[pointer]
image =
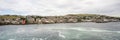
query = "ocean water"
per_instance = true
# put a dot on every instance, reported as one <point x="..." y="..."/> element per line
<point x="63" y="31"/>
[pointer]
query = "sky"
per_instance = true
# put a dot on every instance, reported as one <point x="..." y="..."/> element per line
<point x="59" y="7"/>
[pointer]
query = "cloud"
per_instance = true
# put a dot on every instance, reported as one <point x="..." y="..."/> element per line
<point x="11" y="12"/>
<point x="61" y="7"/>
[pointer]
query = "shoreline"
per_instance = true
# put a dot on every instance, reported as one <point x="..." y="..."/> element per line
<point x="70" y="18"/>
<point x="55" y="23"/>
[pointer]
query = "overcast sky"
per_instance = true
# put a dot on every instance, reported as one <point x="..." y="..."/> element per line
<point x="59" y="7"/>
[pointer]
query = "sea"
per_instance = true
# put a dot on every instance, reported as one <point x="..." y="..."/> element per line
<point x="62" y="31"/>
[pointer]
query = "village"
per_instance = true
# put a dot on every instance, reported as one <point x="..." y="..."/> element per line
<point x="21" y="20"/>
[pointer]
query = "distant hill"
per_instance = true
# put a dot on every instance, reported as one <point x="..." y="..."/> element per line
<point x="91" y="15"/>
<point x="10" y="16"/>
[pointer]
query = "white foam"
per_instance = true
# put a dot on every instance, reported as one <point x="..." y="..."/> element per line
<point x="61" y="35"/>
<point x="20" y="30"/>
<point x="11" y="39"/>
<point x="91" y="29"/>
<point x="64" y="28"/>
<point x="84" y="29"/>
<point x="81" y="29"/>
<point x="118" y="31"/>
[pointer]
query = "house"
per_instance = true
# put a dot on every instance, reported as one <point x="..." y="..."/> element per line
<point x="30" y="20"/>
<point x="38" y="20"/>
<point x="47" y="21"/>
<point x="72" y="20"/>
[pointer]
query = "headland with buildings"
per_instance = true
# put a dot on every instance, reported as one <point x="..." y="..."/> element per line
<point x="70" y="18"/>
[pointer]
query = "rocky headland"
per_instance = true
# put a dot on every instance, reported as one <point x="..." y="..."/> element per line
<point x="70" y="18"/>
